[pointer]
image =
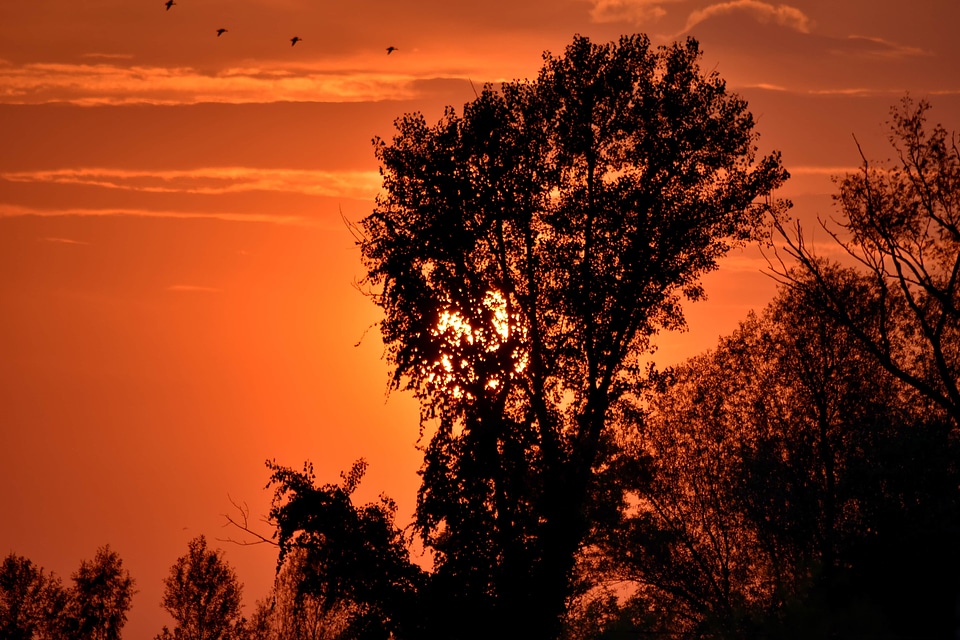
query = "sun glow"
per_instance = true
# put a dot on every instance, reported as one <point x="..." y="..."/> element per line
<point x="465" y="347"/>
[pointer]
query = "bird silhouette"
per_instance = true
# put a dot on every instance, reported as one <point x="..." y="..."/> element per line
<point x="294" y="40"/>
<point x="169" y="3"/>
<point x="391" y="50"/>
<point x="220" y="32"/>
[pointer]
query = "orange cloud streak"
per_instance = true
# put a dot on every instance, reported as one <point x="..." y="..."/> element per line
<point x="10" y="211"/>
<point x="783" y="15"/>
<point x="214" y="180"/>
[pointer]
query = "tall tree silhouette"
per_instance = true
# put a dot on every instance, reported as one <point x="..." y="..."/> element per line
<point x="525" y="254"/>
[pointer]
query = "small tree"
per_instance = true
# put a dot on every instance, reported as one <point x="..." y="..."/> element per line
<point x="100" y="598"/>
<point x="347" y="562"/>
<point x="203" y="595"/>
<point x="31" y="601"/>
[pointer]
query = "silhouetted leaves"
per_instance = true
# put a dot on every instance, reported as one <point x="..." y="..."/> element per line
<point x="798" y="490"/>
<point x="524" y="253"/>
<point x="203" y="595"/>
<point x="350" y="559"/>
<point x="100" y="598"/>
<point x="31" y="600"/>
<point x="901" y="228"/>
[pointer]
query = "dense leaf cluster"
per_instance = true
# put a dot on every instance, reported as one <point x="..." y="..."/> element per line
<point x="34" y="604"/>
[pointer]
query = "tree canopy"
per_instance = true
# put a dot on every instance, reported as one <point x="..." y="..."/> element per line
<point x="900" y="228"/>
<point x="101" y="597"/>
<point x="203" y="595"/>
<point x="525" y="253"/>
<point x="796" y="489"/>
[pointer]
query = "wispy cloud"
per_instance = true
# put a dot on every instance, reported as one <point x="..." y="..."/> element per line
<point x="634" y="11"/>
<point x="822" y="171"/>
<point x="881" y="48"/>
<point x="193" y="288"/>
<point x="855" y="92"/>
<point x="111" y="83"/>
<point x="109" y="56"/>
<point x="9" y="211"/>
<point x="213" y="180"/>
<point x="766" y="86"/>
<point x="62" y="241"/>
<point x="781" y="14"/>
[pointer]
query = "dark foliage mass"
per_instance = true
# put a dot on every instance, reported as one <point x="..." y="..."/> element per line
<point x="34" y="604"/>
<point x="525" y="253"/>
<point x="797" y="490"/>
<point x="801" y="480"/>
<point x="350" y="561"/>
<point x="101" y="596"/>
<point x="203" y="596"/>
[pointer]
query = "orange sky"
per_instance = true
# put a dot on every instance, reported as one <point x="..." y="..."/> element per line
<point x="176" y="300"/>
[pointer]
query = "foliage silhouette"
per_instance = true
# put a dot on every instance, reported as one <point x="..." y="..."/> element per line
<point x="292" y="612"/>
<point x="31" y="601"/>
<point x="349" y="561"/>
<point x="203" y="595"/>
<point x="798" y="490"/>
<point x="525" y="253"/>
<point x="901" y="227"/>
<point x="100" y="598"/>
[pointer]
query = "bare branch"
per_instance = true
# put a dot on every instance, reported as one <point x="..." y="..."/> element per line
<point x="243" y="524"/>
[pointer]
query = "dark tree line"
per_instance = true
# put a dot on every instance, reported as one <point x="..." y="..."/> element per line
<point x="799" y="481"/>
<point x="202" y="594"/>
<point x="525" y="253"/>
<point x="35" y="604"/>
<point x="796" y="489"/>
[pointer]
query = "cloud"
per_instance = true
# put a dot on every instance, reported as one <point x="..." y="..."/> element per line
<point x="634" y="11"/>
<point x="766" y="86"/>
<point x="881" y="48"/>
<point x="213" y="180"/>
<point x="822" y="171"/>
<point x="783" y="15"/>
<point x="114" y="84"/>
<point x="109" y="56"/>
<point x="10" y="211"/>
<point x="62" y="241"/>
<point x="193" y="288"/>
<point x="855" y="92"/>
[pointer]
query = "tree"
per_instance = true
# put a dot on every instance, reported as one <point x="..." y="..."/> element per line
<point x="797" y="490"/>
<point x="294" y="612"/>
<point x="203" y="595"/>
<point x="349" y="563"/>
<point x="901" y="227"/>
<point x="525" y="254"/>
<point x="31" y="601"/>
<point x="100" y="598"/>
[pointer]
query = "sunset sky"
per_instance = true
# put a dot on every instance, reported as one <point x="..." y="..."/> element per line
<point x="177" y="299"/>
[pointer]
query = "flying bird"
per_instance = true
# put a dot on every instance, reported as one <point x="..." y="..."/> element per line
<point x="294" y="40"/>
<point x="391" y="50"/>
<point x="220" y="32"/>
<point x="169" y="3"/>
